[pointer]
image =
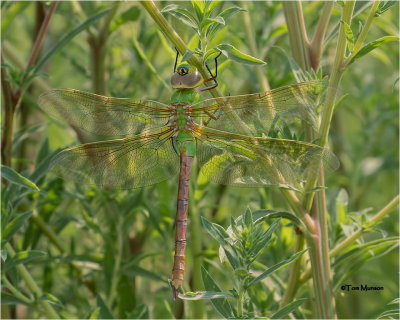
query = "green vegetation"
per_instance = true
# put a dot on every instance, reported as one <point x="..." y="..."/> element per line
<point x="76" y="251"/>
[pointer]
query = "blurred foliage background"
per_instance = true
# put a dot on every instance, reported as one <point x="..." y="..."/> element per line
<point x="80" y="234"/>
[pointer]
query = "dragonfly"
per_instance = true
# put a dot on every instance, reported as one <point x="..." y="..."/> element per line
<point x="146" y="142"/>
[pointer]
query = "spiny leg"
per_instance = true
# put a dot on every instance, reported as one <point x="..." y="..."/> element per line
<point x="213" y="77"/>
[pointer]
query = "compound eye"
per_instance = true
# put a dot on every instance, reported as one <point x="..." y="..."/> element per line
<point x="183" y="70"/>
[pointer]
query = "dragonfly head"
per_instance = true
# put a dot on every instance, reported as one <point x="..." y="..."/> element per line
<point x="186" y="77"/>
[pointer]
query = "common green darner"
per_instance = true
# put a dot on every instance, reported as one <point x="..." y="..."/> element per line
<point x="153" y="141"/>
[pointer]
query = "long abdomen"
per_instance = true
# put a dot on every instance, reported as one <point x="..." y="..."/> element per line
<point x="178" y="269"/>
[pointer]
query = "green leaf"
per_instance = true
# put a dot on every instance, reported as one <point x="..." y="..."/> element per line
<point x="23" y="257"/>
<point x="105" y="312"/>
<point x="132" y="14"/>
<point x="14" y="177"/>
<point x="15" y="225"/>
<point x="349" y="35"/>
<point x="10" y="299"/>
<point x="207" y="22"/>
<point x="277" y="267"/>
<point x="235" y="55"/>
<point x="3" y="254"/>
<point x="282" y="313"/>
<point x="226" y="14"/>
<point x="51" y="299"/>
<point x="43" y="166"/>
<point x="216" y="231"/>
<point x="95" y="313"/>
<point x="371" y="46"/>
<point x="198" y="7"/>
<point x="188" y="54"/>
<point x="138" y="271"/>
<point x="64" y="41"/>
<point x="266" y="237"/>
<point x="222" y="305"/>
<point x="181" y="14"/>
<point x="139" y="312"/>
<point x="248" y="219"/>
<point x="205" y="295"/>
<point x="383" y="6"/>
<point x="210" y="5"/>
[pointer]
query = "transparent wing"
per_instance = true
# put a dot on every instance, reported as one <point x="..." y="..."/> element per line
<point x="262" y="111"/>
<point x="241" y="160"/>
<point x="104" y="116"/>
<point x="124" y="163"/>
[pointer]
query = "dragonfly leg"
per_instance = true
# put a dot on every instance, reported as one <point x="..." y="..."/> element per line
<point x="212" y="115"/>
<point x="176" y="59"/>
<point x="213" y="77"/>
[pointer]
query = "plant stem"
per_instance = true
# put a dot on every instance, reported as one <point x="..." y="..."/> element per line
<point x="32" y="286"/>
<point x="48" y="232"/>
<point x="13" y="99"/>
<point x="98" y="46"/>
<point x="345" y="244"/>
<point x="294" y="272"/>
<point x="339" y="248"/>
<point x="318" y="242"/>
<point x="39" y="39"/>
<point x="11" y="54"/>
<point x="8" y="124"/>
<point x="262" y="78"/>
<point x="336" y="74"/>
<point x="297" y="33"/>
<point x="319" y="35"/>
<point x="240" y="299"/>
<point x="364" y="31"/>
<point x="117" y="262"/>
<point x="16" y="292"/>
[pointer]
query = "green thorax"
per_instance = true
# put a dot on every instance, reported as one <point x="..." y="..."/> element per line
<point x="181" y="98"/>
<point x="185" y="96"/>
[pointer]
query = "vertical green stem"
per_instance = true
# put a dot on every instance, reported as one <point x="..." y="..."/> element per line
<point x="260" y="73"/>
<point x="319" y="35"/>
<point x="11" y="99"/>
<point x="117" y="261"/>
<point x="318" y="242"/>
<point x="240" y="299"/>
<point x="297" y="33"/>
<point x="98" y="50"/>
<point x="32" y="286"/>
<point x="294" y="272"/>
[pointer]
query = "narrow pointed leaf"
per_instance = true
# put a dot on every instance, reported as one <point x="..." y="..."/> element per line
<point x="23" y="257"/>
<point x="266" y="237"/>
<point x="15" y="225"/>
<point x="216" y="231"/>
<point x="205" y="295"/>
<point x="349" y="36"/>
<point x="105" y="312"/>
<point x="222" y="305"/>
<point x="181" y="14"/>
<point x="282" y="313"/>
<point x="14" y="177"/>
<point x="51" y="299"/>
<point x="234" y="54"/>
<point x="371" y="46"/>
<point x="10" y="299"/>
<point x="277" y="267"/>
<point x="64" y="41"/>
